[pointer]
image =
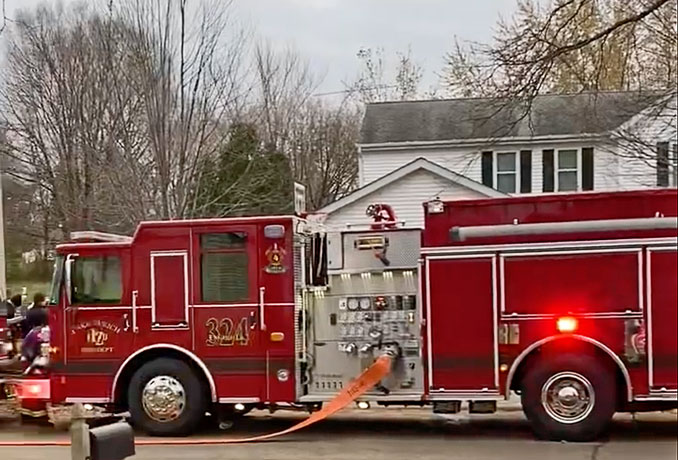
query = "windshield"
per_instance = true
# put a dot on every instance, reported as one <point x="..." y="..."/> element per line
<point x="55" y="287"/>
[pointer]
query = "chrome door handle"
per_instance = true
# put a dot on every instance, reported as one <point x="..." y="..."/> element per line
<point x="125" y="319"/>
<point x="262" y="318"/>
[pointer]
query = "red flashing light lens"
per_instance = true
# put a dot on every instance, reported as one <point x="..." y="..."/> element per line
<point x="567" y="324"/>
<point x="34" y="390"/>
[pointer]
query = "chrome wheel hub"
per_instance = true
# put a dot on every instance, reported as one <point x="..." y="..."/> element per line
<point x="163" y="398"/>
<point x="568" y="397"/>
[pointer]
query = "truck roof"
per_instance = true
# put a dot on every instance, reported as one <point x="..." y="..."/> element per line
<point x="561" y="207"/>
<point x="101" y="239"/>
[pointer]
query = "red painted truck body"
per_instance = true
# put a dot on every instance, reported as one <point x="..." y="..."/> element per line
<point x="490" y="305"/>
<point x="618" y="285"/>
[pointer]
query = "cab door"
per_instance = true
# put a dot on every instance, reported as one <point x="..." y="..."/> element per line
<point x="98" y="334"/>
<point x="228" y="319"/>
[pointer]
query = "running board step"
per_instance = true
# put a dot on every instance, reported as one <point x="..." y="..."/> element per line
<point x="482" y="407"/>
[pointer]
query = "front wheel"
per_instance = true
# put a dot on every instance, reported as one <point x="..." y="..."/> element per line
<point x="166" y="398"/>
<point x="569" y="398"/>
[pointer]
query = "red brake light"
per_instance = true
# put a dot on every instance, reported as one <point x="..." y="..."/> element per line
<point x="567" y="324"/>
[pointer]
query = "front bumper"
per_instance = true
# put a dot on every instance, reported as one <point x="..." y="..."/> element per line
<point x="25" y="396"/>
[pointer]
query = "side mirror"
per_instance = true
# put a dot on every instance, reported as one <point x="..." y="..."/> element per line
<point x="69" y="270"/>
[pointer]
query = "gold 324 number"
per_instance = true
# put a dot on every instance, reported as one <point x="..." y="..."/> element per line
<point x="225" y="333"/>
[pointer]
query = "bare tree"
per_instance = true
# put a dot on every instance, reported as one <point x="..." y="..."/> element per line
<point x="61" y="118"/>
<point x="580" y="45"/>
<point x="283" y="83"/>
<point x="3" y="12"/>
<point x="377" y="82"/>
<point x="129" y="113"/>
<point x="572" y="45"/>
<point x="318" y="139"/>
<point x="323" y="150"/>
<point x="189" y="77"/>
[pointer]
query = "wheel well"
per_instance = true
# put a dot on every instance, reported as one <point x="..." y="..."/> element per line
<point x="120" y="396"/>
<point x="573" y="346"/>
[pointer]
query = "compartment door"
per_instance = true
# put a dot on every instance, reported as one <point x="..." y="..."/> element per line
<point x="461" y="326"/>
<point x="662" y="300"/>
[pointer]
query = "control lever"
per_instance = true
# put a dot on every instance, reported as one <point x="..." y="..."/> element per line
<point x="366" y="348"/>
<point x="351" y="348"/>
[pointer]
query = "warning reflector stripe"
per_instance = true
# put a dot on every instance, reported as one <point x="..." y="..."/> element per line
<point x="358" y="387"/>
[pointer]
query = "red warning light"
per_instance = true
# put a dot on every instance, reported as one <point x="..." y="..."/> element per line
<point x="567" y="324"/>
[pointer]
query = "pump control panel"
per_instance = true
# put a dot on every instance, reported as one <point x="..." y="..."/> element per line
<point x="363" y="310"/>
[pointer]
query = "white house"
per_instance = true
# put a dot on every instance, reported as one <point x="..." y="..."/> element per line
<point x="412" y="152"/>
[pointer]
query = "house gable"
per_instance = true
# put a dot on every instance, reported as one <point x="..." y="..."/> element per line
<point x="405" y="189"/>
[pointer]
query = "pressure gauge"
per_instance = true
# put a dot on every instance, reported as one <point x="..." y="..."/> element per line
<point x="352" y="304"/>
<point x="365" y="303"/>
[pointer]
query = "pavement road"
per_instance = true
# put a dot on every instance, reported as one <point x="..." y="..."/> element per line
<point x="393" y="434"/>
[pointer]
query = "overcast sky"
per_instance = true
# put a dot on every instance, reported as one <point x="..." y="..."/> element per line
<point x="328" y="33"/>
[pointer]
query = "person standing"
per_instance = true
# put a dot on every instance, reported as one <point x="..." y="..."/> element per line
<point x="37" y="312"/>
<point x="12" y="307"/>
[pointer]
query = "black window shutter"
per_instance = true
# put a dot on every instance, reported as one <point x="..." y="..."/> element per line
<point x="487" y="169"/>
<point x="548" y="181"/>
<point x="662" y="164"/>
<point x="587" y="168"/>
<point x="525" y="171"/>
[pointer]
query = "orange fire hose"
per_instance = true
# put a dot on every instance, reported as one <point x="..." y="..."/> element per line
<point x="369" y="378"/>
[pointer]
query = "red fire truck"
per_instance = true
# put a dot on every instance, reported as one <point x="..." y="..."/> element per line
<point x="567" y="300"/>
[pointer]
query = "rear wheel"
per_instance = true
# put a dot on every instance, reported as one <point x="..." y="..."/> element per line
<point x="166" y="398"/>
<point x="569" y="397"/>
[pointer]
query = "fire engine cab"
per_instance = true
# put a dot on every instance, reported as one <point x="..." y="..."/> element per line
<point x="567" y="300"/>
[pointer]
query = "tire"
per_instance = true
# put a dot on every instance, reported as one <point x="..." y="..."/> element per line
<point x="166" y="398"/>
<point x="588" y="402"/>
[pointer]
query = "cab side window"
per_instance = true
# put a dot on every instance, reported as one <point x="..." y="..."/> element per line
<point x="224" y="264"/>
<point x="97" y="280"/>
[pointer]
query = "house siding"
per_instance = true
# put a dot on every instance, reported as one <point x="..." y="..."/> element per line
<point x="377" y="164"/>
<point x="635" y="172"/>
<point x="465" y="161"/>
<point x="406" y="196"/>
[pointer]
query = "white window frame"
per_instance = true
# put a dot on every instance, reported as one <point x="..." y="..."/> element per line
<point x="496" y="173"/>
<point x="557" y="170"/>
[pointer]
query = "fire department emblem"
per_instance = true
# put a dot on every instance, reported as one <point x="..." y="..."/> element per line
<point x="96" y="337"/>
<point x="276" y="256"/>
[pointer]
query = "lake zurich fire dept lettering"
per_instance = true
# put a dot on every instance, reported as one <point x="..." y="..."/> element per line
<point x="97" y="335"/>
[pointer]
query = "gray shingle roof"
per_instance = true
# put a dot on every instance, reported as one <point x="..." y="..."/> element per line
<point x="477" y="118"/>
